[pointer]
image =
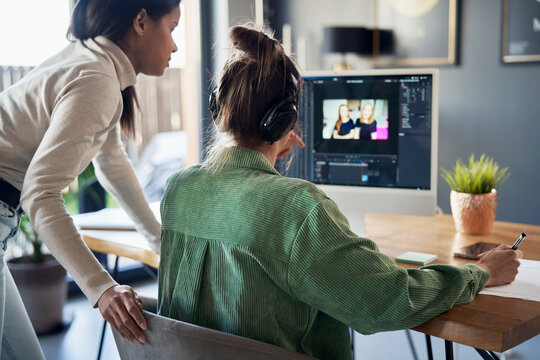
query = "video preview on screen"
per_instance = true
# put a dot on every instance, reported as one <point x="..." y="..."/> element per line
<point x="355" y="119"/>
<point x="366" y="130"/>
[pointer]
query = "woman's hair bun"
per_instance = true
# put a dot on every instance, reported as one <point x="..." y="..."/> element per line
<point x="253" y="42"/>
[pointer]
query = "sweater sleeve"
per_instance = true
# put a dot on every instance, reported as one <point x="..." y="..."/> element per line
<point x="116" y="174"/>
<point x="81" y="113"/>
<point x="346" y="277"/>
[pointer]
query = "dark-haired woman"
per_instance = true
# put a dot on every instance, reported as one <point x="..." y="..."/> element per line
<point x="250" y="252"/>
<point x="65" y="113"/>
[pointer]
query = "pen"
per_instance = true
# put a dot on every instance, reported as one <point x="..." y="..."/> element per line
<point x="518" y="241"/>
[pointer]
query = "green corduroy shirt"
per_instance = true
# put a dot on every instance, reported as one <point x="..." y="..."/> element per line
<point x="247" y="251"/>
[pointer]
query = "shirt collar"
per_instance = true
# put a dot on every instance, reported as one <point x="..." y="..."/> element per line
<point x="240" y="157"/>
<point x="122" y="64"/>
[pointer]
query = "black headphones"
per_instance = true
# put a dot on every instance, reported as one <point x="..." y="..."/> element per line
<point x="278" y="120"/>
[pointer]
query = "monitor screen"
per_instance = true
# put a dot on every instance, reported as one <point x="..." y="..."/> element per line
<point x="370" y="130"/>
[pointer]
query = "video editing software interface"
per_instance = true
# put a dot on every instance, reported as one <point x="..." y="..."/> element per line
<point x="366" y="131"/>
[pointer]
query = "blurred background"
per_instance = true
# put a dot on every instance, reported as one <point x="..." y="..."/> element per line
<point x="486" y="105"/>
<point x="488" y="98"/>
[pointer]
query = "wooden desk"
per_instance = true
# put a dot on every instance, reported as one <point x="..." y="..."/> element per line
<point x="489" y="322"/>
<point x="122" y="243"/>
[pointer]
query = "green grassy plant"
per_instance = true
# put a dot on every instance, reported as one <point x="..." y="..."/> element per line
<point x="31" y="236"/>
<point x="478" y="177"/>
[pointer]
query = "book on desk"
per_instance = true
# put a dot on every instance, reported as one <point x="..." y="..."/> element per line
<point x="110" y="219"/>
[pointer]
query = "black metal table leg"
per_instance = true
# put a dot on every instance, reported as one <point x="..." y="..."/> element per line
<point x="429" y="349"/>
<point x="487" y="355"/>
<point x="351" y="332"/>
<point x="152" y="274"/>
<point x="411" y="344"/>
<point x="449" y="349"/>
<point x="102" y="338"/>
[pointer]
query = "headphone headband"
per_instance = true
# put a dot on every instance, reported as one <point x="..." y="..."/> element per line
<point x="280" y="118"/>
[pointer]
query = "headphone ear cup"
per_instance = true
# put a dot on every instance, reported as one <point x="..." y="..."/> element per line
<point x="213" y="105"/>
<point x="278" y="121"/>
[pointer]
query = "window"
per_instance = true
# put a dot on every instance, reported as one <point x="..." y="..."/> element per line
<point x="32" y="30"/>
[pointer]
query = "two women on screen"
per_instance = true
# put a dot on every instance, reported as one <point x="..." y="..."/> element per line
<point x="365" y="127"/>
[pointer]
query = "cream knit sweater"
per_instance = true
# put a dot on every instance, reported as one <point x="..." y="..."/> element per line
<point x="53" y="122"/>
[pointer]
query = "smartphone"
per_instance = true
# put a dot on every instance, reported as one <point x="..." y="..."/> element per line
<point x="473" y="251"/>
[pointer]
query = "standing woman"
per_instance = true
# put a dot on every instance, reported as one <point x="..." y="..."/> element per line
<point x="65" y="113"/>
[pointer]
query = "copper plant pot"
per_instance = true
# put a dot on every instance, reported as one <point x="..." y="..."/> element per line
<point x="473" y="214"/>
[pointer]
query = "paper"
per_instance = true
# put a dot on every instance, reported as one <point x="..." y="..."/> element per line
<point x="110" y="218"/>
<point x="526" y="286"/>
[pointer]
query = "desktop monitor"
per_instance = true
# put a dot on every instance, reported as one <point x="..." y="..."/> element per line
<point x="382" y="156"/>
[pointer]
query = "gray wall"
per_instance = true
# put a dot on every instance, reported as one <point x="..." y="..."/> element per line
<point x="485" y="106"/>
<point x="491" y="107"/>
<point x="311" y="16"/>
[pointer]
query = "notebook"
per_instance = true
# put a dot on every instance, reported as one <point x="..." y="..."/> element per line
<point x="411" y="257"/>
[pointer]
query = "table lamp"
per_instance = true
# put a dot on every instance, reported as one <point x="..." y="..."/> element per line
<point x="383" y="41"/>
<point x="343" y="40"/>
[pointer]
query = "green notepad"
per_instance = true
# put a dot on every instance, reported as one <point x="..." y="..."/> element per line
<point x="417" y="258"/>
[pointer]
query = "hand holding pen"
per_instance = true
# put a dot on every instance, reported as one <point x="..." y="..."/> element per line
<point x="518" y="241"/>
<point x="501" y="263"/>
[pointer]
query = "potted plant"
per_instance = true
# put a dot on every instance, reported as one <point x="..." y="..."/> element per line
<point x="41" y="281"/>
<point x="473" y="198"/>
<point x="86" y="192"/>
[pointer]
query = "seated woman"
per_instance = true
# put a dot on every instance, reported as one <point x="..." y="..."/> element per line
<point x="366" y="126"/>
<point x="247" y="251"/>
<point x="344" y="128"/>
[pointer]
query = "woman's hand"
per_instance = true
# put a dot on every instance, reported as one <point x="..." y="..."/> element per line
<point x="502" y="264"/>
<point x="122" y="308"/>
<point x="288" y="142"/>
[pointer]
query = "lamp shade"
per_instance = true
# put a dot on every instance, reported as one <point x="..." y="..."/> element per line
<point x="386" y="41"/>
<point x="340" y="39"/>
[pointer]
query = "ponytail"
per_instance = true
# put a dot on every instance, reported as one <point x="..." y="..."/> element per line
<point x="77" y="27"/>
<point x="127" y="120"/>
<point x="256" y="76"/>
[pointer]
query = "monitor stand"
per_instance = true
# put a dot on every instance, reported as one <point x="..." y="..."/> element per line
<point x="356" y="222"/>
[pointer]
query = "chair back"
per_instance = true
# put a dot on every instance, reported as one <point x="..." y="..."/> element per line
<point x="172" y="339"/>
